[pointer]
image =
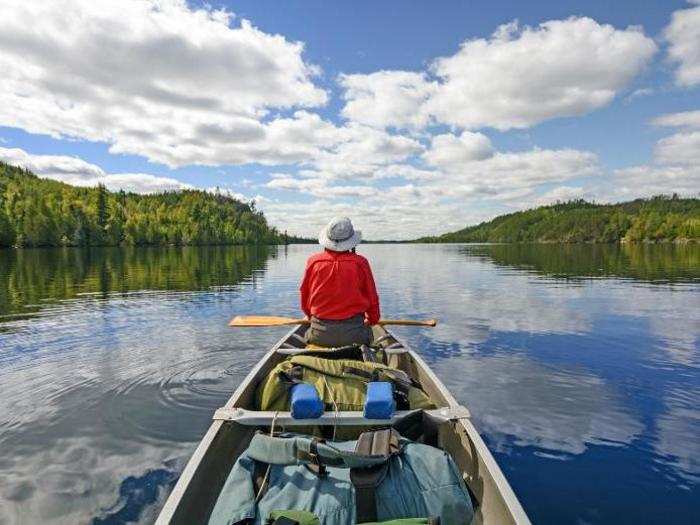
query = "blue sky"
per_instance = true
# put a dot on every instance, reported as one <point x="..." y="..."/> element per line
<point x="411" y="117"/>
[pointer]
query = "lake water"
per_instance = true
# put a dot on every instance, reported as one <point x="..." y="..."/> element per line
<point x="580" y="365"/>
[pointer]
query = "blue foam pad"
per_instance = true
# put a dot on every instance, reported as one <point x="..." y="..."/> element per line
<point x="379" y="403"/>
<point x="305" y="403"/>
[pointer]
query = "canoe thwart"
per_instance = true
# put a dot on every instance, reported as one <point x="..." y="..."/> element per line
<point x="291" y="350"/>
<point x="262" y="418"/>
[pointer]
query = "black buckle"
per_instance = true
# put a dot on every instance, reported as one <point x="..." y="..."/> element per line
<point x="316" y="466"/>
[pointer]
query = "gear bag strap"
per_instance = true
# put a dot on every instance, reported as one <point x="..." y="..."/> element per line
<point x="296" y="450"/>
<point x="384" y="443"/>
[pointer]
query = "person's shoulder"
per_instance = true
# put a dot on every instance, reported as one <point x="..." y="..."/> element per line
<point x="316" y="257"/>
<point x="360" y="258"/>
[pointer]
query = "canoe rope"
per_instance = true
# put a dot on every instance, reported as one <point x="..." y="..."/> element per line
<point x="335" y="406"/>
<point x="269" y="465"/>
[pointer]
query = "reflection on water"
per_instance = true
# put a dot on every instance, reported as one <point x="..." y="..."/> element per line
<point x="112" y="362"/>
<point x="648" y="262"/>
<point x="30" y="277"/>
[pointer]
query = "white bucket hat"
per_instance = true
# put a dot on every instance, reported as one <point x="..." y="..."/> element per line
<point x="339" y="235"/>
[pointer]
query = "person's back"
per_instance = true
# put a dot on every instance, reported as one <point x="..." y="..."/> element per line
<point x="338" y="293"/>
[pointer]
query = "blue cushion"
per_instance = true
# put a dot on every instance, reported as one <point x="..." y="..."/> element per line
<point x="305" y="402"/>
<point x="379" y="403"/>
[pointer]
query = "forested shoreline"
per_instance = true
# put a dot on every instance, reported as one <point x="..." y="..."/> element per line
<point x="658" y="219"/>
<point x="36" y="212"/>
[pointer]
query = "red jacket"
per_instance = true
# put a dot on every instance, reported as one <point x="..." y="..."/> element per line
<point x="339" y="285"/>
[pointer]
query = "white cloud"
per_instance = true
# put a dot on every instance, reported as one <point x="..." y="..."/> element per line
<point x="361" y="151"/>
<point x="518" y="77"/>
<point x="646" y="181"/>
<point x="561" y="194"/>
<point x="472" y="160"/>
<point x="676" y="166"/>
<point x="387" y="98"/>
<point x="318" y="187"/>
<point x="683" y="36"/>
<point x="679" y="149"/>
<point x="684" y="119"/>
<point x="638" y="93"/>
<point x="448" y="149"/>
<point x="154" y="78"/>
<point x="77" y="172"/>
<point x="456" y="194"/>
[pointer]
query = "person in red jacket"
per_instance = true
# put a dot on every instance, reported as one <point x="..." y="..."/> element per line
<point x="338" y="293"/>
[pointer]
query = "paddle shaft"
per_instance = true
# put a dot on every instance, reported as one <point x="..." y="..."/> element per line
<point x="264" y="320"/>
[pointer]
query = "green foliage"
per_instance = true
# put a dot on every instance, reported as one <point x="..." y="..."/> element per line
<point x="661" y="218"/>
<point x="42" y="212"/>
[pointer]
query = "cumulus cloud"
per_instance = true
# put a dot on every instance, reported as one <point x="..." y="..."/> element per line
<point x="561" y="194"/>
<point x="649" y="180"/>
<point x="675" y="167"/>
<point x="78" y="172"/>
<point x="318" y="187"/>
<point x="458" y="192"/>
<point x="518" y="77"/>
<point x="681" y="148"/>
<point x="684" y="119"/>
<point x="471" y="158"/>
<point x="449" y="149"/>
<point x="154" y="78"/>
<point x="387" y="98"/>
<point x="361" y="150"/>
<point x="683" y="36"/>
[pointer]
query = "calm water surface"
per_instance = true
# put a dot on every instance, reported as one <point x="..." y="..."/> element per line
<point x="579" y="364"/>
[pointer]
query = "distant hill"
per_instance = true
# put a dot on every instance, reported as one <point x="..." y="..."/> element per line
<point x="662" y="218"/>
<point x="43" y="212"/>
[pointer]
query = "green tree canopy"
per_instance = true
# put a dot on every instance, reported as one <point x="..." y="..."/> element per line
<point x="43" y="212"/>
<point x="661" y="218"/>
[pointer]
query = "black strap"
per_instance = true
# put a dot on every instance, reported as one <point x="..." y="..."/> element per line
<point x="316" y="466"/>
<point x="365" y="482"/>
<point x="342" y="352"/>
<point x="383" y="442"/>
<point x="293" y="376"/>
<point x="368" y="355"/>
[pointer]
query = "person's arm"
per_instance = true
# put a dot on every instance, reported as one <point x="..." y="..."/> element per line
<point x="304" y="292"/>
<point x="371" y="291"/>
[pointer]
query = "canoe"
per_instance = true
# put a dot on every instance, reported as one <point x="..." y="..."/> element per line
<point x="198" y="487"/>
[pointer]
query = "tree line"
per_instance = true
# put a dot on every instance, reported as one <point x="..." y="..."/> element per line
<point x="42" y="212"/>
<point x="660" y="218"/>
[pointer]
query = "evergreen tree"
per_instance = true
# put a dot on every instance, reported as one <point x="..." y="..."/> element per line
<point x="41" y="212"/>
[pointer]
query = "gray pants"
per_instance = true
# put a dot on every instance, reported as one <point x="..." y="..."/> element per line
<point x="343" y="332"/>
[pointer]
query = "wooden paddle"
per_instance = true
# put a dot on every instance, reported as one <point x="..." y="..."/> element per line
<point x="271" y="320"/>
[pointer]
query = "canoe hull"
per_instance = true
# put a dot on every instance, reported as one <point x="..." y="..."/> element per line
<point x="198" y="487"/>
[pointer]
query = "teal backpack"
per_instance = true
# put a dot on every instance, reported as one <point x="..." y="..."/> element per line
<point x="381" y="476"/>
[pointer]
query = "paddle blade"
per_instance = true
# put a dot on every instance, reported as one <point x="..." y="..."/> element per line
<point x="264" y="320"/>
<point x="408" y="322"/>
